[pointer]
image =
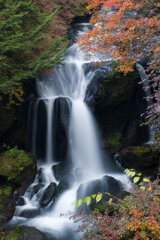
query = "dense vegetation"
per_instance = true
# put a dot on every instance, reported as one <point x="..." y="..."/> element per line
<point x="135" y="216"/>
<point x="23" y="50"/>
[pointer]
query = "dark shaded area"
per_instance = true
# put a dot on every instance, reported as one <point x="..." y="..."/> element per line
<point x="41" y="130"/>
<point x="61" y="117"/>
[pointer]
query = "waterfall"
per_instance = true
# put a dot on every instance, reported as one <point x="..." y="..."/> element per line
<point x="149" y="100"/>
<point x="63" y="136"/>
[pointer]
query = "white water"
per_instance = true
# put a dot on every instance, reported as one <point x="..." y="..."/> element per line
<point x="149" y="100"/>
<point x="68" y="80"/>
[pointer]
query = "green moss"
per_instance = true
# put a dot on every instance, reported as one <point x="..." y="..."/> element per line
<point x="13" y="234"/>
<point x="144" y="155"/>
<point x="5" y="191"/>
<point x="13" y="163"/>
<point x="114" y="139"/>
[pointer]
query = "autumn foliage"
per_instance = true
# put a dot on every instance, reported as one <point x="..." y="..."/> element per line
<point x="135" y="217"/>
<point x="125" y="30"/>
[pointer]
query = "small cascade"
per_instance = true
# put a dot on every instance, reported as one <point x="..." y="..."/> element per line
<point x="63" y="136"/>
<point x="149" y="100"/>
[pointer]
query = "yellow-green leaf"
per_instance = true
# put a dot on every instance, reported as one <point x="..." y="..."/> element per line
<point x="142" y="188"/>
<point x="87" y="200"/>
<point x="93" y="196"/>
<point x="79" y="203"/>
<point x="110" y="200"/>
<point x="99" y="197"/>
<point x="146" y="180"/>
<point x="136" y="179"/>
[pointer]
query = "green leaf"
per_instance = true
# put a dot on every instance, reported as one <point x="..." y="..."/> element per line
<point x="79" y="203"/>
<point x="93" y="196"/>
<point x="140" y="183"/>
<point x="146" y="180"/>
<point x="126" y="171"/>
<point x="87" y="200"/>
<point x="99" y="197"/>
<point x="131" y="174"/>
<point x="136" y="179"/>
<point x="139" y="174"/>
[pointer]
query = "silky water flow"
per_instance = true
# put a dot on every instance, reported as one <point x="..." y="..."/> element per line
<point x="62" y="135"/>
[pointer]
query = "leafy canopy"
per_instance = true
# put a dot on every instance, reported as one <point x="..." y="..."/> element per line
<point x="125" y="30"/>
<point x="23" y="49"/>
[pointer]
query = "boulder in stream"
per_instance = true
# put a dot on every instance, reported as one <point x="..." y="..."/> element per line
<point x="49" y="194"/>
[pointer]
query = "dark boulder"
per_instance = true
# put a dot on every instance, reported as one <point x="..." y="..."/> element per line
<point x="105" y="184"/>
<point x="59" y="170"/>
<point x="22" y="233"/>
<point x="31" y="233"/>
<point x="30" y="213"/>
<point x="36" y="189"/>
<point x="49" y="194"/>
<point x="65" y="183"/>
<point x="93" y="87"/>
<point x="21" y="201"/>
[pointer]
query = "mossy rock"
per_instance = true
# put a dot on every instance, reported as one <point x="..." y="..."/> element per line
<point x="15" y="164"/>
<point x="6" y="202"/>
<point x="139" y="157"/>
<point x="115" y="102"/>
<point x="22" y="233"/>
<point x="12" y="234"/>
<point x="118" y="87"/>
<point x="114" y="141"/>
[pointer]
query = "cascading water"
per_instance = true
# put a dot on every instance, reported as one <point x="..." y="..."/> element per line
<point x="63" y="136"/>
<point x="148" y="94"/>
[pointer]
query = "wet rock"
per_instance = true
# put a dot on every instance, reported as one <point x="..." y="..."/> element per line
<point x="40" y="175"/>
<point x="31" y="233"/>
<point x="93" y="87"/>
<point x="30" y="213"/>
<point x="21" y="201"/>
<point x="22" y="233"/>
<point x="65" y="183"/>
<point x="36" y="189"/>
<point x="49" y="194"/>
<point x="105" y="184"/>
<point x="59" y="170"/>
<point x="61" y="117"/>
